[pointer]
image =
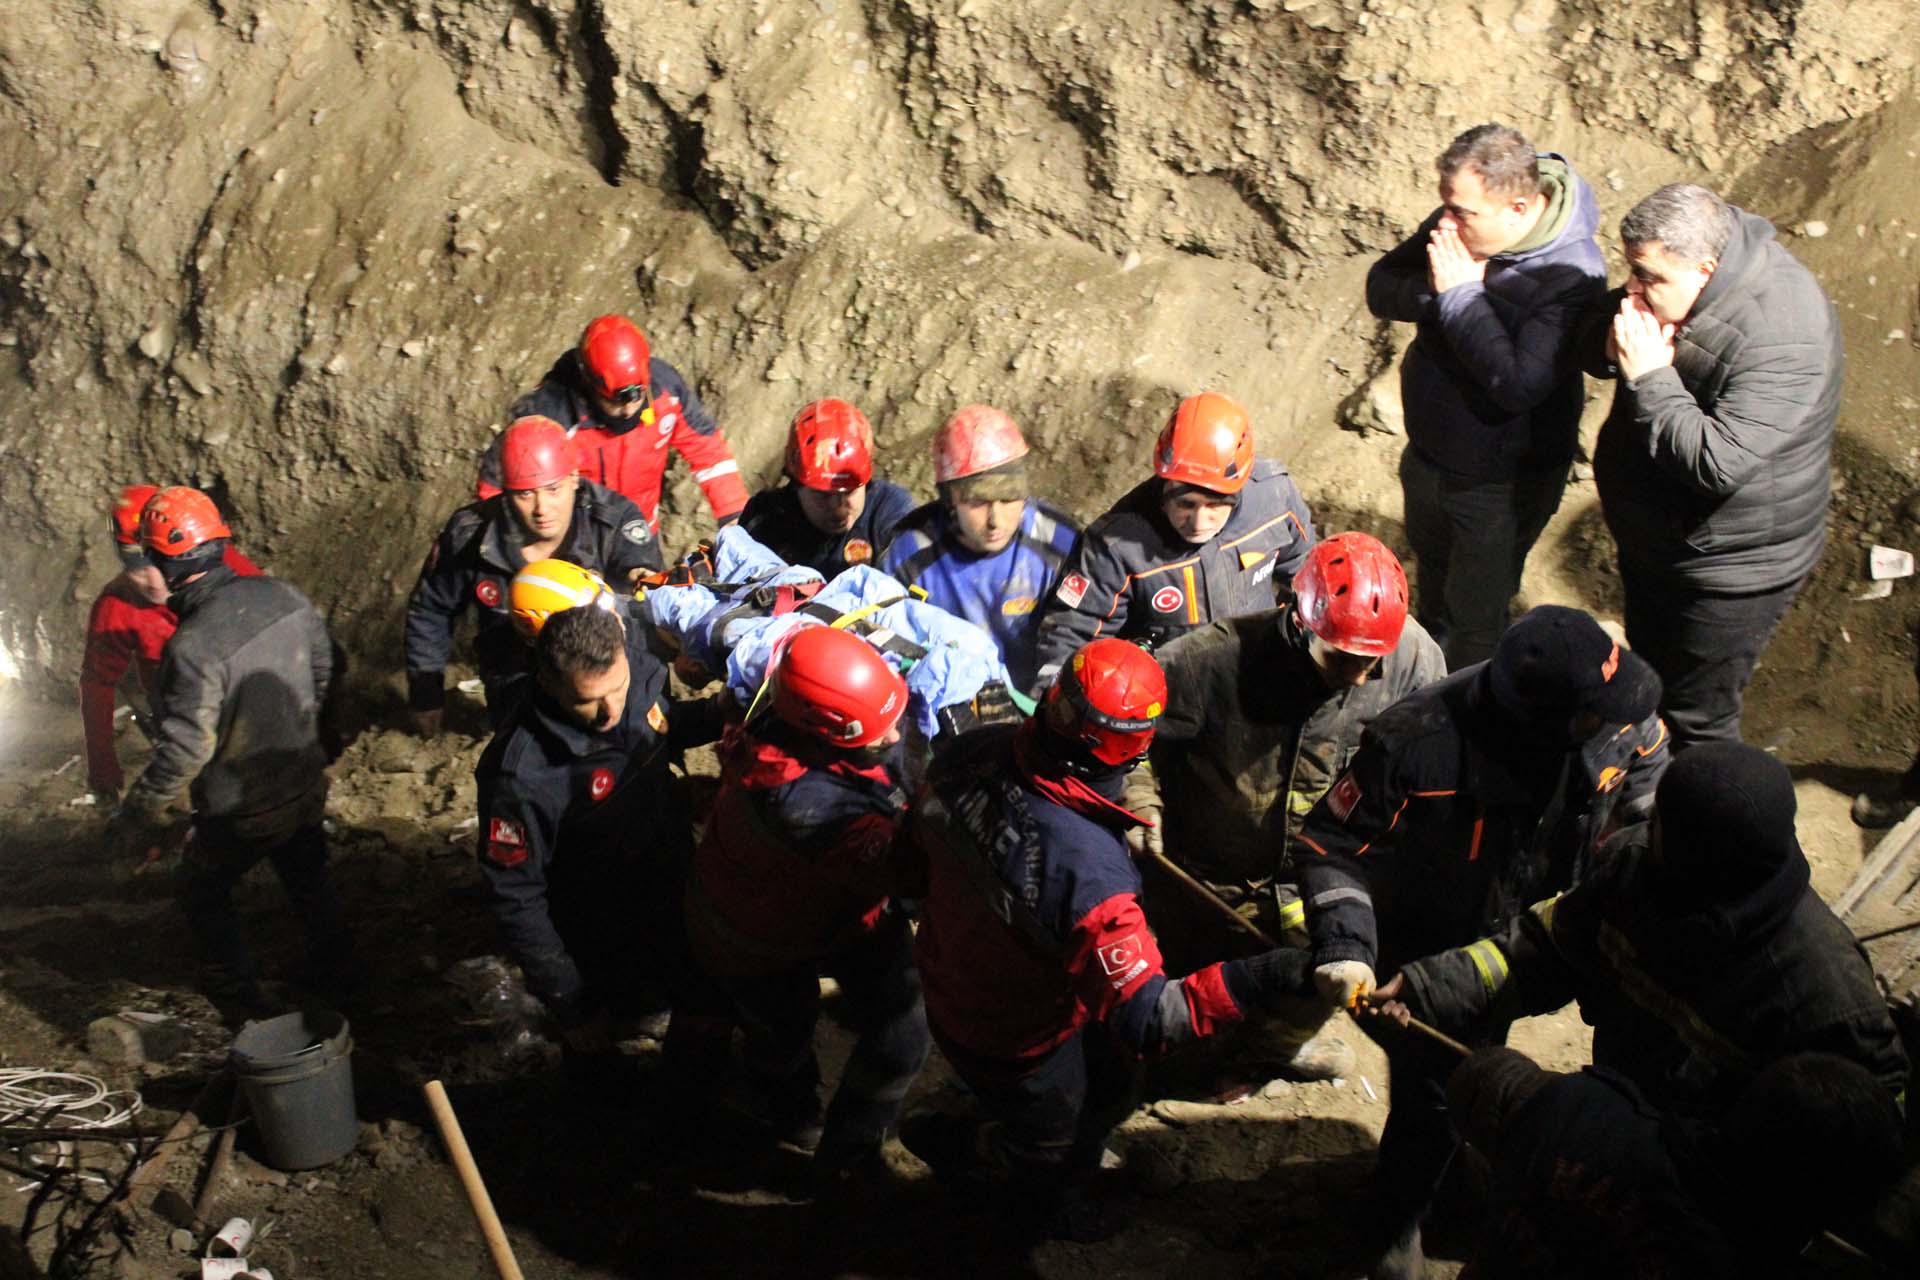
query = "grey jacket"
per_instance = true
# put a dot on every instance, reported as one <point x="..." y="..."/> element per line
<point x="240" y="692"/>
<point x="1714" y="473"/>
<point x="1253" y="736"/>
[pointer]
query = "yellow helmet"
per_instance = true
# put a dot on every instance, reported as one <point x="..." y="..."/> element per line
<point x="547" y="587"/>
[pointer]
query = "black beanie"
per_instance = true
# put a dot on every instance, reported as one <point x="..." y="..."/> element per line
<point x="1726" y="821"/>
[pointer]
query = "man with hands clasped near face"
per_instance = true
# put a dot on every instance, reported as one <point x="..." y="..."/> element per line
<point x="1713" y="464"/>
<point x="1495" y="281"/>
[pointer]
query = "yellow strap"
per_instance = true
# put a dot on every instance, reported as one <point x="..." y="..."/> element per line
<point x="1293" y="914"/>
<point x="1492" y="965"/>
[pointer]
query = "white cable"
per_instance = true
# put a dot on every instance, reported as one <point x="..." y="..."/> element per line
<point x="75" y="1101"/>
<point x="62" y="1100"/>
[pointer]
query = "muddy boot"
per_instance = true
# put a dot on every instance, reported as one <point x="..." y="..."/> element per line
<point x="1404" y="1259"/>
<point x="1877" y="810"/>
<point x="1325" y="1057"/>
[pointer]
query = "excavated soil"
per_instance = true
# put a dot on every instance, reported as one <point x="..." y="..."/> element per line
<point x="302" y="254"/>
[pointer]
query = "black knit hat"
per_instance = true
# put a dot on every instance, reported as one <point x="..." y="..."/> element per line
<point x="1726" y="818"/>
<point x="1558" y="662"/>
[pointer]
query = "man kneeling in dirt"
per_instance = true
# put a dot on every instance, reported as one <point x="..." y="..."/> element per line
<point x="794" y="879"/>
<point x="1592" y="1181"/>
<point x="1264" y="711"/>
<point x="241" y="688"/>
<point x="1044" y="985"/>
<point x="1698" y="950"/>
<point x="584" y="839"/>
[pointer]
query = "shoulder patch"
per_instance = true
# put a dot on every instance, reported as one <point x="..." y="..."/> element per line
<point x="487" y="592"/>
<point x="1072" y="590"/>
<point x="637" y="531"/>
<point x="506" y="842"/>
<point x="600" y="785"/>
<point x="656" y="718"/>
<point x="857" y="551"/>
<point x="1168" y="599"/>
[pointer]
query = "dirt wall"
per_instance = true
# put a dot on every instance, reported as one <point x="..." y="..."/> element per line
<point x="303" y="253"/>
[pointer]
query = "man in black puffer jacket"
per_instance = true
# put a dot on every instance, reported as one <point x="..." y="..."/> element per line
<point x="1713" y="465"/>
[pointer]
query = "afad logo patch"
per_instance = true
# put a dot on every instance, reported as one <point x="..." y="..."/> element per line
<point x="1168" y="599"/>
<point x="1072" y="590"/>
<point x="857" y="551"/>
<point x="637" y="531"/>
<point x="506" y="842"/>
<point x="1020" y="607"/>
<point x="1121" y="961"/>
<point x="487" y="591"/>
<point x="1345" y="795"/>
<point x="600" y="786"/>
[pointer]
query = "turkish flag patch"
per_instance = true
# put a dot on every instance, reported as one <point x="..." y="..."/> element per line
<point x="1121" y="961"/>
<point x="506" y="842"/>
<point x="487" y="591"/>
<point x="1072" y="590"/>
<point x="1345" y="795"/>
<point x="600" y="786"/>
<point x="1167" y="599"/>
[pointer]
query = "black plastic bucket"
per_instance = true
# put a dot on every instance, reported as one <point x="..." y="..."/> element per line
<point x="297" y="1071"/>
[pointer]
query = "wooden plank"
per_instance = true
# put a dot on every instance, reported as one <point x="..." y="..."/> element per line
<point x="1888" y="854"/>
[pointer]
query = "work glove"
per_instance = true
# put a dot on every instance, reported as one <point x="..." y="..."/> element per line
<point x="1343" y="982"/>
<point x="1142" y="799"/>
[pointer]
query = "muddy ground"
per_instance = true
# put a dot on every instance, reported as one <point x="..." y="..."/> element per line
<point x="303" y="253"/>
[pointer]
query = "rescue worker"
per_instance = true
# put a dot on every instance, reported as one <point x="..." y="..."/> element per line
<point x="1044" y="984"/>
<point x="547" y="512"/>
<point x="1264" y="711"/>
<point x="241" y="686"/>
<point x="1591" y="1181"/>
<point x="1698" y="950"/>
<point x="794" y="879"/>
<point x="985" y="550"/>
<point x="1468" y="800"/>
<point x="1208" y="537"/>
<point x="127" y="628"/>
<point x="624" y="409"/>
<point x="832" y="513"/>
<point x="584" y="840"/>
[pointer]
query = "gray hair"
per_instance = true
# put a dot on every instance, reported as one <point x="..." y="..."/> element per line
<point x="1691" y="223"/>
<point x="1506" y="162"/>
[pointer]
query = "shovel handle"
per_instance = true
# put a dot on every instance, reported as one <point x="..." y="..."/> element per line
<point x="476" y="1187"/>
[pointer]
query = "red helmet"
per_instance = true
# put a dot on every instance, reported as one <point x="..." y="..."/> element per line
<point x="176" y="521"/>
<point x="615" y="357"/>
<point x="1352" y="593"/>
<point x="126" y="512"/>
<point x="1207" y="442"/>
<point x="976" y="438"/>
<point x="535" y="452"/>
<point x="1107" y="699"/>
<point x="830" y="447"/>
<point x="835" y="686"/>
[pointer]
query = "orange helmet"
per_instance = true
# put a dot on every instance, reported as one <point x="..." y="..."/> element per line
<point x="976" y="438"/>
<point x="830" y="447"/>
<point x="615" y="357"/>
<point x="1352" y="593"/>
<point x="175" y="522"/>
<point x="535" y="452"/>
<point x="126" y="512"/>
<point x="1108" y="699"/>
<point x="835" y="686"/>
<point x="1208" y="443"/>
